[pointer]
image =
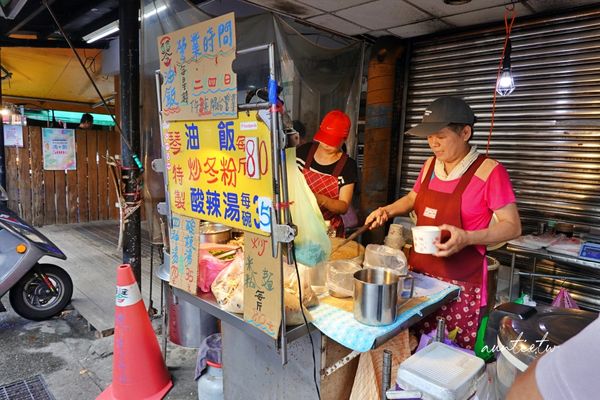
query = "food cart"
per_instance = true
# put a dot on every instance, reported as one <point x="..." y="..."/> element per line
<point x="213" y="147"/>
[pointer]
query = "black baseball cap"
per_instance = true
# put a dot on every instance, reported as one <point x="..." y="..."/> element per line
<point x="442" y="112"/>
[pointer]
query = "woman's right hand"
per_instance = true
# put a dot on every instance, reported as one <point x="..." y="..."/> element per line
<point x="377" y="218"/>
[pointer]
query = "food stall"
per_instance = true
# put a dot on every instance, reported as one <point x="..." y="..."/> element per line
<point x="226" y="163"/>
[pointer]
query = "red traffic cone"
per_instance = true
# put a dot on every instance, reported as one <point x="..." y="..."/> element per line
<point x="139" y="371"/>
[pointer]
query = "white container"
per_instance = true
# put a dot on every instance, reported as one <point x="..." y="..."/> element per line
<point x="425" y="238"/>
<point x="210" y="384"/>
<point x="441" y="372"/>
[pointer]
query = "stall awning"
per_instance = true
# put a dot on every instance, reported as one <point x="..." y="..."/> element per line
<point x="54" y="74"/>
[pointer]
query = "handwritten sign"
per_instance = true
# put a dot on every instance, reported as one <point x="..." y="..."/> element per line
<point x="13" y="135"/>
<point x="195" y="62"/>
<point x="59" y="149"/>
<point x="185" y="242"/>
<point x="262" y="285"/>
<point x="209" y="167"/>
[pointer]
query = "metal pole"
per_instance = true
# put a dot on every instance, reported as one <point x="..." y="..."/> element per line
<point x="2" y="156"/>
<point x="386" y="373"/>
<point x="130" y="121"/>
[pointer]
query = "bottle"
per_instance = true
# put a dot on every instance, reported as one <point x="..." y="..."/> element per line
<point x="210" y="384"/>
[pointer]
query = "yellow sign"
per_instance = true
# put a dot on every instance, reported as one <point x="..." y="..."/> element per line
<point x="195" y="62"/>
<point x="221" y="171"/>
<point x="185" y="239"/>
<point x="262" y="285"/>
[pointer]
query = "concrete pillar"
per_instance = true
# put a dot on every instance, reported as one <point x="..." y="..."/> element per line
<point x="382" y="111"/>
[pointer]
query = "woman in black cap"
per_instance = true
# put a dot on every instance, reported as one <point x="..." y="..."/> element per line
<point x="458" y="190"/>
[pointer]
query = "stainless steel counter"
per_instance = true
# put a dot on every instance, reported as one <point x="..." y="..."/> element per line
<point x="207" y="302"/>
<point x="535" y="254"/>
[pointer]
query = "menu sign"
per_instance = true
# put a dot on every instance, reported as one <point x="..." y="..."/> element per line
<point x="262" y="290"/>
<point x="198" y="80"/>
<point x="185" y="241"/>
<point x="220" y="171"/>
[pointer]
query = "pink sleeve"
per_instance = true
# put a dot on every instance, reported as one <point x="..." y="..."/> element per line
<point x="498" y="189"/>
<point x="417" y="184"/>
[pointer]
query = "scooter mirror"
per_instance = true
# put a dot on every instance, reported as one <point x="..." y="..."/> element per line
<point x="3" y="194"/>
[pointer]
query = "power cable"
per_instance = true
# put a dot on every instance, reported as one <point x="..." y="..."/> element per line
<point x="312" y="345"/>
<point x="125" y="139"/>
<point x="510" y="10"/>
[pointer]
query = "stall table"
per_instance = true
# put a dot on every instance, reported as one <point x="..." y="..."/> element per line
<point x="252" y="364"/>
<point x="544" y="254"/>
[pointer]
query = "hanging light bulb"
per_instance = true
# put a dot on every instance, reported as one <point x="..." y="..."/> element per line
<point x="506" y="83"/>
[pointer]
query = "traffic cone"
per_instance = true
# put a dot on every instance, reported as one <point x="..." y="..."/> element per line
<point x="139" y="371"/>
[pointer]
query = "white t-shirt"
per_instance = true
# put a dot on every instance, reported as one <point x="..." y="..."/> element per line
<point x="570" y="371"/>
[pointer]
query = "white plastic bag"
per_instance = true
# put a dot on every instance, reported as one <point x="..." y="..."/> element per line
<point x="228" y="287"/>
<point x="293" y="312"/>
<point x="312" y="243"/>
<point x="380" y="256"/>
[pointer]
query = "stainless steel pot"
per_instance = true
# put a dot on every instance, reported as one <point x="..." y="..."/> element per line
<point x="214" y="233"/>
<point x="376" y="295"/>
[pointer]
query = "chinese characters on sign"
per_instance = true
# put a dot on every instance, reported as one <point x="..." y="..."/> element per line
<point x="185" y="239"/>
<point x="195" y="62"/>
<point x="13" y="135"/>
<point x="262" y="282"/>
<point x="59" y="149"/>
<point x="219" y="172"/>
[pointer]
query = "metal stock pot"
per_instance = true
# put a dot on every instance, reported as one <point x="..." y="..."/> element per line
<point x="214" y="233"/>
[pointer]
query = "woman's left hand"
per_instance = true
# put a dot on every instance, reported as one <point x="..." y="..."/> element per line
<point x="459" y="239"/>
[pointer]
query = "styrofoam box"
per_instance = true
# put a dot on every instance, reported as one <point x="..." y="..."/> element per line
<point x="441" y="372"/>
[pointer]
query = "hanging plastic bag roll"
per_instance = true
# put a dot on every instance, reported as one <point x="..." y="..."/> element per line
<point x="312" y="243"/>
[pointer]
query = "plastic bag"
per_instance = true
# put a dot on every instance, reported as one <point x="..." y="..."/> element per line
<point x="312" y="243"/>
<point x="379" y="256"/>
<point x="564" y="300"/>
<point x="293" y="312"/>
<point x="228" y="287"/>
<point x="209" y="266"/>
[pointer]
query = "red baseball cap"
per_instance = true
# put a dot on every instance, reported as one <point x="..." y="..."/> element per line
<point x="334" y="128"/>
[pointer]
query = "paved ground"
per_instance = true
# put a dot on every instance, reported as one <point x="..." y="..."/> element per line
<point x="74" y="363"/>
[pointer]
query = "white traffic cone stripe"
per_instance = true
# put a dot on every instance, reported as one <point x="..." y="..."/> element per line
<point x="128" y="295"/>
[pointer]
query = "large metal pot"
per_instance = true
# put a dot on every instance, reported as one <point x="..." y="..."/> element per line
<point x="188" y="325"/>
<point x="214" y="233"/>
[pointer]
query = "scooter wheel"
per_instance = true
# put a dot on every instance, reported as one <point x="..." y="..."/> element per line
<point x="32" y="299"/>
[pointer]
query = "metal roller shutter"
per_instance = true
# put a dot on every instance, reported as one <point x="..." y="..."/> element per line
<point x="546" y="133"/>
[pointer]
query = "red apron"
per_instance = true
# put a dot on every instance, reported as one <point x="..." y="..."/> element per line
<point x="464" y="269"/>
<point x="326" y="185"/>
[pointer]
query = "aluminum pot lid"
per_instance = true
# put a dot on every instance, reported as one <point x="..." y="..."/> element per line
<point x="211" y="228"/>
<point x="549" y="326"/>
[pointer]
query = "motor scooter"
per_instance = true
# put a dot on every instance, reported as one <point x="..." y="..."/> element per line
<point x="37" y="291"/>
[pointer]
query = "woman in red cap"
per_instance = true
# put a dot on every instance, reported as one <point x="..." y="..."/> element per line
<point x="329" y="172"/>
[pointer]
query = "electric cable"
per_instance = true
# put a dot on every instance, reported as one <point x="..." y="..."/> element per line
<point x="510" y="9"/>
<point x="312" y="345"/>
<point x="125" y="139"/>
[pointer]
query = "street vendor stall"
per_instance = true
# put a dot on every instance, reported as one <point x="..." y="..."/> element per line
<point x="225" y="163"/>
